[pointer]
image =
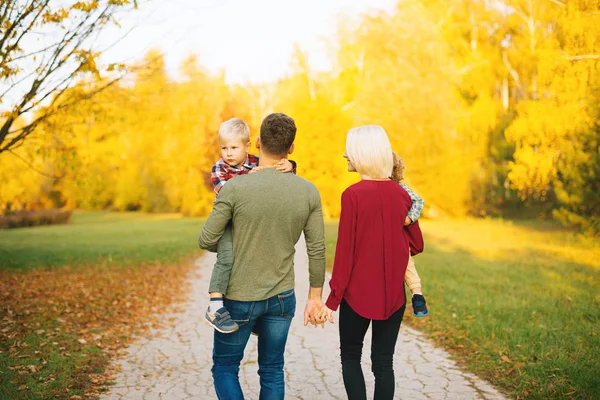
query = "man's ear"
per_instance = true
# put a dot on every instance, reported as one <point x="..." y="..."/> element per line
<point x="291" y="149"/>
<point x="258" y="142"/>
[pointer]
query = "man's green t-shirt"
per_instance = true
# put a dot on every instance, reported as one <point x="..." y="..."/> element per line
<point x="269" y="210"/>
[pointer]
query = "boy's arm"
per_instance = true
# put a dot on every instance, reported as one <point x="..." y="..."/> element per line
<point x="417" y="204"/>
<point x="219" y="175"/>
<point x="218" y="219"/>
<point x="285" y="165"/>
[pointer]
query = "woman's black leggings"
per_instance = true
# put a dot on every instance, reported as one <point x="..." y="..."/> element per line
<point x="353" y="328"/>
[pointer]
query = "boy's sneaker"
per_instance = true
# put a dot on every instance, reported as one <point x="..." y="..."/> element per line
<point x="419" y="306"/>
<point x="221" y="320"/>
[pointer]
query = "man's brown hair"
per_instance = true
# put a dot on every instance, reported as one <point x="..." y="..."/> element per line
<point x="277" y="134"/>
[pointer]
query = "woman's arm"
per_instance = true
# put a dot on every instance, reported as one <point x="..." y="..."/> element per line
<point x="344" y="251"/>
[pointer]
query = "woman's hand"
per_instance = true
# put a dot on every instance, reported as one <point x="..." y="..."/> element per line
<point x="326" y="314"/>
<point x="407" y="221"/>
<point x="284" y="165"/>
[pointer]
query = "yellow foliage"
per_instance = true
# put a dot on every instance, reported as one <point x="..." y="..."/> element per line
<point x="482" y="104"/>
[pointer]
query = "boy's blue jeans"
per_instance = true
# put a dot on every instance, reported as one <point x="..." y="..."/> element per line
<point x="272" y="318"/>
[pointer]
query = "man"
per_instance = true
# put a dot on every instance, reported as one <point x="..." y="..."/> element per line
<point x="269" y="210"/>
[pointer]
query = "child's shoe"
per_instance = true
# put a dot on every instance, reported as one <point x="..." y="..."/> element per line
<point x="419" y="306"/>
<point x="221" y="320"/>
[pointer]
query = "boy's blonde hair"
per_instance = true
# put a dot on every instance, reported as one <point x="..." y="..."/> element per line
<point x="399" y="168"/>
<point x="368" y="148"/>
<point x="235" y="128"/>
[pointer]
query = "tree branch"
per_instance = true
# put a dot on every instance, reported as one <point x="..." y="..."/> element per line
<point x="584" y="57"/>
<point x="511" y="70"/>
<point x="30" y="165"/>
<point x="29" y="128"/>
<point x="28" y="10"/>
<point x="58" y="67"/>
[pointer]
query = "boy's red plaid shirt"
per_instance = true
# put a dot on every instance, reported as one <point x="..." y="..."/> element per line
<point x="222" y="172"/>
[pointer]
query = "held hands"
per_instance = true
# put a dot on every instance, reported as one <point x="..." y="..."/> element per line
<point x="326" y="314"/>
<point x="284" y="165"/>
<point x="317" y="313"/>
<point x="407" y="221"/>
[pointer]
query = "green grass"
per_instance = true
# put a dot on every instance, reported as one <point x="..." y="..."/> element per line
<point x="56" y="368"/>
<point x="105" y="238"/>
<point x="518" y="303"/>
<point x="331" y="228"/>
<point x="100" y="237"/>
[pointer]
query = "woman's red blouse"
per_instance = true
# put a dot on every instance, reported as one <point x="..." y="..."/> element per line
<point x="372" y="249"/>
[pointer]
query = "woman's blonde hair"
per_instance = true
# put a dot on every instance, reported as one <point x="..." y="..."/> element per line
<point x="399" y="168"/>
<point x="369" y="150"/>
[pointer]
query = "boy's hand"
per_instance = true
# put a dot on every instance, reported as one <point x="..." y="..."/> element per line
<point x="255" y="169"/>
<point x="284" y="165"/>
<point x="407" y="221"/>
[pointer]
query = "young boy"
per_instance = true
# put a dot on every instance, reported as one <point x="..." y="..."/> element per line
<point x="234" y="140"/>
<point x="412" y="277"/>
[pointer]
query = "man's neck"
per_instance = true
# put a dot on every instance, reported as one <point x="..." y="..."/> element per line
<point x="268" y="161"/>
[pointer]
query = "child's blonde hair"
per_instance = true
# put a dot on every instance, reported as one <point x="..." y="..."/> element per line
<point x="235" y="128"/>
<point x="399" y="168"/>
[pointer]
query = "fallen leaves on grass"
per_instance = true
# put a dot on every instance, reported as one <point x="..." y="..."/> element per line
<point x="71" y="309"/>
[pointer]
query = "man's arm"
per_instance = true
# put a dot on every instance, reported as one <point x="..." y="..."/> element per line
<point x="218" y="219"/>
<point x="314" y="234"/>
<point x="417" y="204"/>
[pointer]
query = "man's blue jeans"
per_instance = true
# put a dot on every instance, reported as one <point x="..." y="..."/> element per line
<point x="272" y="319"/>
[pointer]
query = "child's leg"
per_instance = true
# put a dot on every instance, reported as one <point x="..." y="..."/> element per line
<point x="222" y="269"/>
<point x="217" y="316"/>
<point x="412" y="279"/>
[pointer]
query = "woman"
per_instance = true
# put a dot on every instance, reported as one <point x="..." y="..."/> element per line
<point x="371" y="256"/>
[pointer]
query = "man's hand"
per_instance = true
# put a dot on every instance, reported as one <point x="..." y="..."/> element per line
<point x="407" y="221"/>
<point x="284" y="165"/>
<point x="313" y="313"/>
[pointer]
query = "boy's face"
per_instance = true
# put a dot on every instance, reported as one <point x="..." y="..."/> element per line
<point x="234" y="151"/>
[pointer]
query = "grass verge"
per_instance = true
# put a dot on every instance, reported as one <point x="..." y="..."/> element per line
<point x="60" y="324"/>
<point x="111" y="238"/>
<point x="516" y="302"/>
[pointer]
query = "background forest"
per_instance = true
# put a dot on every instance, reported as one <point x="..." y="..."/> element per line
<point x="494" y="105"/>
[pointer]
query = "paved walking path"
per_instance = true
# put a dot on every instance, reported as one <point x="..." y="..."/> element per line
<point x="175" y="364"/>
